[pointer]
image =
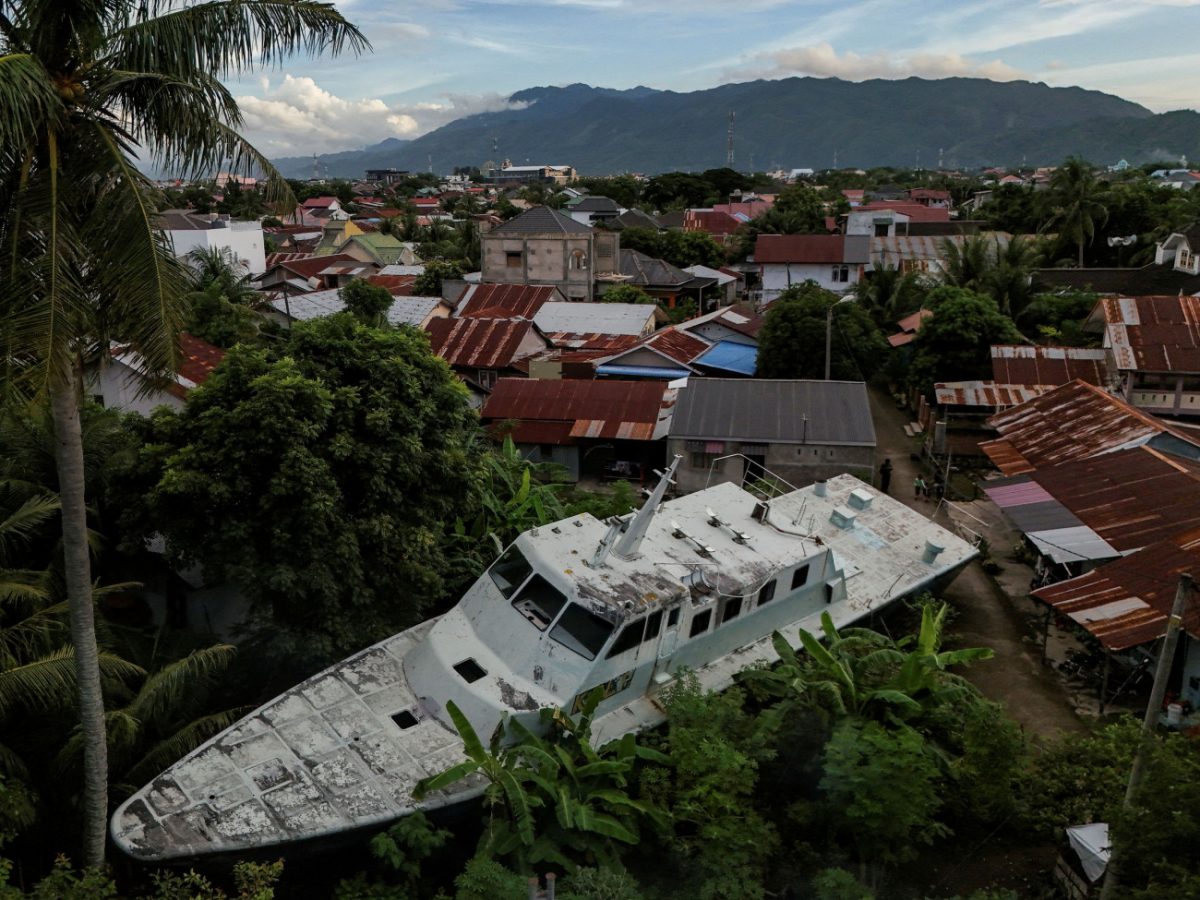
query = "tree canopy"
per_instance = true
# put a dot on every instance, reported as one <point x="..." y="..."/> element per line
<point x="792" y="341"/>
<point x="954" y="344"/>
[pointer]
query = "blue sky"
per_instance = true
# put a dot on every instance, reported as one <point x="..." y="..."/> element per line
<point x="436" y="60"/>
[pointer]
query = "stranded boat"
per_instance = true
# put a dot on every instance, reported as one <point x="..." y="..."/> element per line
<point x="698" y="582"/>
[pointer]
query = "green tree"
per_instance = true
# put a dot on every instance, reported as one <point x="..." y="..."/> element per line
<point x="429" y="282"/>
<point x="889" y="294"/>
<point x="321" y="475"/>
<point x="369" y="303"/>
<point x="625" y="293"/>
<point x="954" y="344"/>
<point x="222" y="298"/>
<point x="792" y="341"/>
<point x="1077" y="203"/>
<point x="1002" y="271"/>
<point x="1058" y="318"/>
<point x="88" y="87"/>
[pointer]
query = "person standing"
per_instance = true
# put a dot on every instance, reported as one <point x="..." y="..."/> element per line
<point x="919" y="487"/>
<point x="885" y="475"/>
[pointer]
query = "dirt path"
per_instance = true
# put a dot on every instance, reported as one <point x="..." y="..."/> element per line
<point x="987" y="616"/>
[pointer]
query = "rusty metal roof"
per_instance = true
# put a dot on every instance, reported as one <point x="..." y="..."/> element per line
<point x="622" y="410"/>
<point x="1019" y="364"/>
<point x="1126" y="602"/>
<point x="1074" y="421"/>
<point x="506" y="300"/>
<point x="985" y="393"/>
<point x="679" y="345"/>
<point x="1154" y="333"/>
<point x="480" y="343"/>
<point x="595" y="340"/>
<point x="812" y="248"/>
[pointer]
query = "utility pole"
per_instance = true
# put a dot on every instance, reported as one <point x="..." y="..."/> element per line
<point x="1137" y="773"/>
<point x="729" y="143"/>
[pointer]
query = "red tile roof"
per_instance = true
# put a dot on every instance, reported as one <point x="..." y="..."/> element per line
<point x="509" y="300"/>
<point x="928" y="194"/>
<point x="1126" y="602"/>
<point x="622" y="410"/>
<point x="274" y="259"/>
<point x="1025" y="365"/>
<point x="479" y="343"/>
<point x="800" y="248"/>
<point x="199" y="358"/>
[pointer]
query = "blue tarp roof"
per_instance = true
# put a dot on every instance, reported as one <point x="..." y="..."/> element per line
<point x="643" y="371"/>
<point x="729" y="356"/>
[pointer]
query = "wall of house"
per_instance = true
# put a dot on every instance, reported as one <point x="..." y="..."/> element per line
<point x="778" y="277"/>
<point x="863" y="222"/>
<point x="566" y="456"/>
<point x="120" y="387"/>
<point x="798" y="464"/>
<point x="244" y="239"/>
<point x="564" y="261"/>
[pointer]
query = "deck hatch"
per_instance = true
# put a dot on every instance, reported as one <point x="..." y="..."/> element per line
<point x="405" y="719"/>
<point x="470" y="670"/>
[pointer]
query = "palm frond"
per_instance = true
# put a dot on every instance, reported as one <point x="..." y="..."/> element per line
<point x="49" y="682"/>
<point x="21" y="525"/>
<point x="164" y="689"/>
<point x="28" y="98"/>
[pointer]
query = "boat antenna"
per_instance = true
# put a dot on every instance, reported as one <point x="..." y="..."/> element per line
<point x="631" y="540"/>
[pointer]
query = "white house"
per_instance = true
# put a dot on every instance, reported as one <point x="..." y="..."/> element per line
<point x="836" y="262"/>
<point x="885" y="218"/>
<point x="121" y="383"/>
<point x="188" y="231"/>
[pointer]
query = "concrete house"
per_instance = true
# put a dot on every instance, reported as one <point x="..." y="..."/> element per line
<point x="121" y="383"/>
<point x="543" y="246"/>
<point x="188" y="231"/>
<point x="725" y="428"/>
<point x="835" y="262"/>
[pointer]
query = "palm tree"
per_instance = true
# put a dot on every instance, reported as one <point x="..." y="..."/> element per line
<point x="967" y="265"/>
<point x="1077" y="203"/>
<point x="890" y="294"/>
<point x="87" y="86"/>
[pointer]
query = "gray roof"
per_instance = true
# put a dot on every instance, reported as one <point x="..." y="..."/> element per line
<point x="594" y="318"/>
<point x="636" y="218"/>
<point x="775" y="411"/>
<point x="596" y="204"/>
<point x="651" y="272"/>
<point x="317" y="304"/>
<point x="542" y="220"/>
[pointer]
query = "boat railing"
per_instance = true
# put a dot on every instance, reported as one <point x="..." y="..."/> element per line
<point x="756" y="479"/>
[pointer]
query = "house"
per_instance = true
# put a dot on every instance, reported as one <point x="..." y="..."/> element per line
<point x="334" y="233"/>
<point x="386" y="176"/>
<point x="483" y="350"/>
<point x="718" y="224"/>
<point x="1180" y="250"/>
<point x="934" y="199"/>
<point x="506" y="301"/>
<point x="121" y="383"/>
<point x="739" y="324"/>
<point x="1154" y="347"/>
<point x="593" y="428"/>
<point x="380" y="249"/>
<point x="590" y="210"/>
<point x="543" y="246"/>
<point x="924" y="254"/>
<point x="727" y="282"/>
<point x="855" y="196"/>
<point x="415" y="311"/>
<point x="634" y="218"/>
<point x="664" y="355"/>
<point x="666" y="283"/>
<point x="1077" y="421"/>
<point x="614" y="319"/>
<point x="508" y="174"/>
<point x="726" y="428"/>
<point x="835" y="262"/>
<point x="319" y="210"/>
<point x="188" y="230"/>
<point x="886" y="218"/>
<point x="298" y="274"/>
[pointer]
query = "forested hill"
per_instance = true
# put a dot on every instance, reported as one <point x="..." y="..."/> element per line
<point x="793" y="122"/>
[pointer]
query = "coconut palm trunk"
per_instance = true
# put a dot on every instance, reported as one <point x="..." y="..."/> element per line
<point x="77" y="569"/>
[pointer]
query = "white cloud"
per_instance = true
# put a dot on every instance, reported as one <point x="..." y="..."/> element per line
<point x="298" y="116"/>
<point x="824" y="61"/>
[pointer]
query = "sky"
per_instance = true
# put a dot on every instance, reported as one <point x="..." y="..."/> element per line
<point x="437" y="60"/>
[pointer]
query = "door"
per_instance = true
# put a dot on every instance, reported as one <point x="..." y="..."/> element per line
<point x="666" y="645"/>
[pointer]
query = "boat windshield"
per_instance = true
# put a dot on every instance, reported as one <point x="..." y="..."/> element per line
<point x="539" y="602"/>
<point x="510" y="570"/>
<point x="581" y="631"/>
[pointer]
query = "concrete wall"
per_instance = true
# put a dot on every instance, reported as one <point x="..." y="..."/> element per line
<point x="567" y="456"/>
<point x="778" y="277"/>
<point x="863" y="221"/>
<point x="120" y="387"/>
<point x="564" y="261"/>
<point x="798" y="464"/>
<point x="245" y="239"/>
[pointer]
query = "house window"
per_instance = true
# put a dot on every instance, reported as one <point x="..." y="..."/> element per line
<point x="766" y="593"/>
<point x="545" y="451"/>
<point x="513" y="259"/>
<point x="800" y="576"/>
<point x="487" y="379"/>
<point x="840" y="274"/>
<point x="578" y="259"/>
<point x="700" y="623"/>
<point x="881" y="229"/>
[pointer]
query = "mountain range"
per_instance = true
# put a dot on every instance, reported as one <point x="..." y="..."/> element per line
<point x="788" y="123"/>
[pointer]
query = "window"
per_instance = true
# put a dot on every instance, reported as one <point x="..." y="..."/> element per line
<point x="539" y="602"/>
<point x="799" y="577"/>
<point x="513" y="259"/>
<point x="630" y="637"/>
<point x="766" y="593"/>
<point x="673" y="617"/>
<point x="545" y="451"/>
<point x="486" y="378"/>
<point x="700" y="623"/>
<point x="509" y="571"/>
<point x="578" y="259"/>
<point x="581" y="631"/>
<point x="702" y="460"/>
<point x="731" y="610"/>
<point x="470" y="670"/>
<point x="654" y="625"/>
<point x="881" y="229"/>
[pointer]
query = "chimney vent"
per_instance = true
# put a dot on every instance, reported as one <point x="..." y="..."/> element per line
<point x="931" y="552"/>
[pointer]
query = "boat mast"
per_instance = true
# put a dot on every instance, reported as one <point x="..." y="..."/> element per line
<point x="631" y="540"/>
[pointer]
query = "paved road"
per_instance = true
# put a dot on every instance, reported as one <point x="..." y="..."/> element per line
<point x="986" y="615"/>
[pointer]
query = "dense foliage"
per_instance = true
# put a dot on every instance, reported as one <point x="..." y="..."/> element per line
<point x="793" y="337"/>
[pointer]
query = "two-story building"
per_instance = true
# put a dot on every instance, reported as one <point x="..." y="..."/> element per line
<point x="543" y="246"/>
<point x="836" y="262"/>
<point x="188" y="230"/>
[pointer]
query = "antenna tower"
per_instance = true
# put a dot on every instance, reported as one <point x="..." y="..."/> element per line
<point x="729" y="143"/>
<point x="316" y="169"/>
<point x="429" y="159"/>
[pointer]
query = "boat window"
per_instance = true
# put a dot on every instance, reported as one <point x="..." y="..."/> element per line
<point x="766" y="593"/>
<point x="510" y="570"/>
<point x="653" y="624"/>
<point x="700" y="623"/>
<point x="731" y="610"/>
<point x="470" y="670"/>
<point x="673" y="617"/>
<point x="581" y="631"/>
<point x="630" y="637"/>
<point x="800" y="576"/>
<point x="539" y="601"/>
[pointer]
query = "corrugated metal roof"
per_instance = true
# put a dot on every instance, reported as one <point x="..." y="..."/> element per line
<point x="478" y="343"/>
<point x="729" y="356"/>
<point x="510" y="300"/>
<point x="675" y="343"/>
<point x="986" y="393"/>
<point x="594" y="341"/>
<point x="812" y="249"/>
<point x="1018" y="364"/>
<point x="1074" y="421"/>
<point x="1126" y="602"/>
<point x="618" y="410"/>
<point x="603" y="318"/>
<point x="779" y="411"/>
<point x="1154" y="333"/>
<point x="317" y="304"/>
